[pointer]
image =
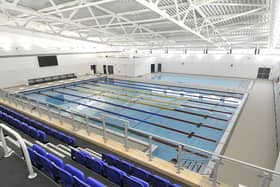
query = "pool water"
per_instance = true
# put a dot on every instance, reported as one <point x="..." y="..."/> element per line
<point x="203" y="80"/>
<point x="196" y="117"/>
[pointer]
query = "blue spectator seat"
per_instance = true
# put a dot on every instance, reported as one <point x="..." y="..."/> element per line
<point x="115" y="175"/>
<point x="95" y="165"/>
<point x="110" y="158"/>
<point x="158" y="181"/>
<point x="125" y="166"/>
<point x="74" y="171"/>
<point x="135" y="182"/>
<point x="94" y="183"/>
<point x="141" y="173"/>
<point x="79" y="183"/>
<point x="58" y="161"/>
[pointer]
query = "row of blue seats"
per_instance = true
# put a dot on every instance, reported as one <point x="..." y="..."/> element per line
<point x="112" y="173"/>
<point x="119" y="171"/>
<point x="40" y="126"/>
<point x="64" y="174"/>
<point x="27" y="129"/>
<point x="131" y="169"/>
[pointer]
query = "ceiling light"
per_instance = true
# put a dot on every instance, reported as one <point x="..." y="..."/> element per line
<point x="237" y="57"/>
<point x="7" y="47"/>
<point x="218" y="57"/>
<point x="200" y="56"/>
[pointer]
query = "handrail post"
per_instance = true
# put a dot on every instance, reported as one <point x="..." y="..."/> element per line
<point x="214" y="176"/>
<point x="38" y="108"/>
<point x="266" y="179"/>
<point x="31" y="105"/>
<point x="22" y="102"/>
<point x="3" y="140"/>
<point x="49" y="112"/>
<point x="16" y="103"/>
<point x="8" y="98"/>
<point x="21" y="142"/>
<point x="59" y="115"/>
<point x="87" y="124"/>
<point x="72" y="120"/>
<point x="13" y="99"/>
<point x="179" y="158"/>
<point x="150" y="148"/>
<point x="104" y="128"/>
<point x="126" y="135"/>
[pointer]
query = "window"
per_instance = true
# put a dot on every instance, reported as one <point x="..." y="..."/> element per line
<point x="263" y="73"/>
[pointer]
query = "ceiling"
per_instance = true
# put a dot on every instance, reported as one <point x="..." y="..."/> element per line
<point x="151" y="23"/>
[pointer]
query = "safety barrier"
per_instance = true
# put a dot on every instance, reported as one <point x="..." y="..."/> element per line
<point x="276" y="93"/>
<point x="22" y="145"/>
<point x="261" y="176"/>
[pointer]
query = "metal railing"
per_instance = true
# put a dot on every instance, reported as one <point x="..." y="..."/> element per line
<point x="276" y="93"/>
<point x="262" y="175"/>
<point x="22" y="145"/>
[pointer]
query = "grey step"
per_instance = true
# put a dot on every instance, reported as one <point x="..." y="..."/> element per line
<point x="50" y="149"/>
<point x="97" y="155"/>
<point x="93" y="153"/>
<point x="64" y="147"/>
<point x="67" y="153"/>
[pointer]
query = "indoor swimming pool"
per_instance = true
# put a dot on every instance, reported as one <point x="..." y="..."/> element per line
<point x="203" y="80"/>
<point x="196" y="117"/>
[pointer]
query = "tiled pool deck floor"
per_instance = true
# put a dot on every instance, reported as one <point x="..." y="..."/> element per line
<point x="254" y="137"/>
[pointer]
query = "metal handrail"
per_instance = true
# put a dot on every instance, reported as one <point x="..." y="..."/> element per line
<point x="181" y="146"/>
<point x="21" y="143"/>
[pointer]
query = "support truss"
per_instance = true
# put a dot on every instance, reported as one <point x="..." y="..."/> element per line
<point x="204" y="23"/>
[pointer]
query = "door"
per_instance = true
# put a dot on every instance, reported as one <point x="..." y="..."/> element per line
<point x="104" y="69"/>
<point x="159" y="67"/>
<point x="152" y="68"/>
<point x="110" y="69"/>
<point x="93" y="68"/>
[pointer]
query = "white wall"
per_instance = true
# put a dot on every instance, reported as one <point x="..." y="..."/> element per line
<point x="245" y="66"/>
<point x="15" y="42"/>
<point x="142" y="66"/>
<point x="17" y="70"/>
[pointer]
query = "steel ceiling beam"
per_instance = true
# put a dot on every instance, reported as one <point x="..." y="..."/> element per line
<point x="274" y="24"/>
<point x="154" y="7"/>
<point x="200" y="21"/>
<point x="14" y="20"/>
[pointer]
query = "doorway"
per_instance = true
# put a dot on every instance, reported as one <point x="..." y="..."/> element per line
<point x="93" y="69"/>
<point x="159" y="67"/>
<point x="152" y="68"/>
<point x="110" y="69"/>
<point x="104" y="69"/>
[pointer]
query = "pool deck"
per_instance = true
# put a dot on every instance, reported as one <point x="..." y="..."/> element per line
<point x="254" y="136"/>
<point x="21" y="88"/>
